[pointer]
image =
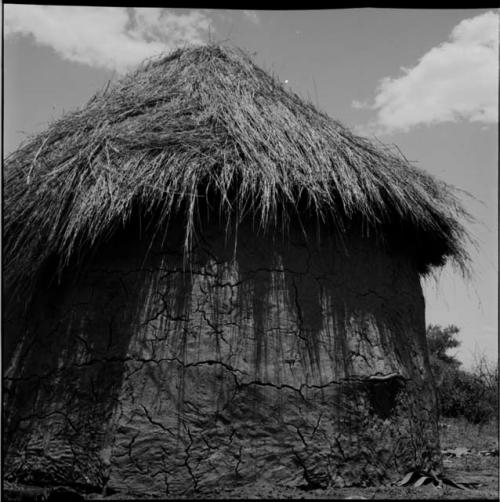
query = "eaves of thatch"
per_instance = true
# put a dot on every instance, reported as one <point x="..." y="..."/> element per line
<point x="204" y="122"/>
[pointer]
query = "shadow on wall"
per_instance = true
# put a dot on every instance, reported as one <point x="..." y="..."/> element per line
<point x="67" y="359"/>
<point x="103" y="345"/>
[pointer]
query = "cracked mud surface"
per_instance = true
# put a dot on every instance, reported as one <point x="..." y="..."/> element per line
<point x="151" y="378"/>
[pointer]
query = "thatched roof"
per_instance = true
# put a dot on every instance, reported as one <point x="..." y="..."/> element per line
<point x="207" y="120"/>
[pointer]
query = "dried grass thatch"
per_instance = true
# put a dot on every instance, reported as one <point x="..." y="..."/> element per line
<point x="207" y="120"/>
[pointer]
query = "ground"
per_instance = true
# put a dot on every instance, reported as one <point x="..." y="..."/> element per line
<point x="470" y="456"/>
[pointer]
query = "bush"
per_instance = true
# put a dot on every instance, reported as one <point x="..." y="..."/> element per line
<point x="472" y="395"/>
<point x="464" y="394"/>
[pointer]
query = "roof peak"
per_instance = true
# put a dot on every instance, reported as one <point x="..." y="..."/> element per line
<point x="206" y="117"/>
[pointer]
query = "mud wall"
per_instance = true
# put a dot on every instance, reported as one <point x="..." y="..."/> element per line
<point x="295" y="362"/>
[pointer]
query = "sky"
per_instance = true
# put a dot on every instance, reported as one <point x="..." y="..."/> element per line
<point x="424" y="80"/>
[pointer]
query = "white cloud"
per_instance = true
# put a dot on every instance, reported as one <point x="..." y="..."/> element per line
<point x="108" y="37"/>
<point x="457" y="80"/>
<point x="252" y="16"/>
<point x="359" y="105"/>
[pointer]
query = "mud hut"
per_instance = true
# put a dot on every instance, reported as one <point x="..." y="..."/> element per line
<point x="208" y="283"/>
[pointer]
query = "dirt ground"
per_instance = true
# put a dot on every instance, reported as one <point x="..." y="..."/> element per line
<point x="470" y="456"/>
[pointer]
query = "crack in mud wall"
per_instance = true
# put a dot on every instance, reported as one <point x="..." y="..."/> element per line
<point x="156" y="378"/>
